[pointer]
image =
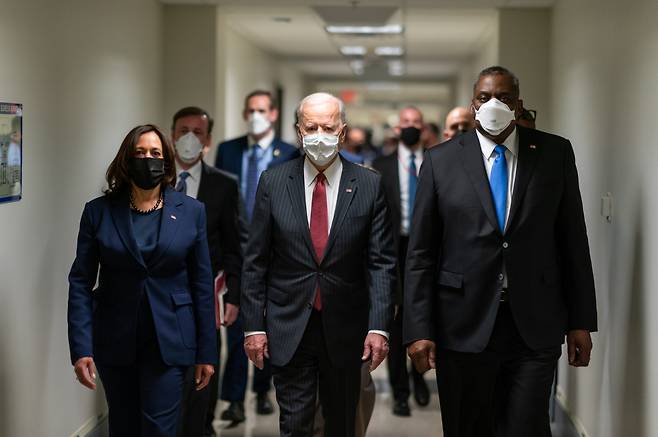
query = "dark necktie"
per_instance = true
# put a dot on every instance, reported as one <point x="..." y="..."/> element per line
<point x="252" y="180"/>
<point x="182" y="184"/>
<point x="319" y="226"/>
<point x="413" y="184"/>
<point x="498" y="182"/>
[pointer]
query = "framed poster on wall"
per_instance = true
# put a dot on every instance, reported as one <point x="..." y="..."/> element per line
<point x="11" y="151"/>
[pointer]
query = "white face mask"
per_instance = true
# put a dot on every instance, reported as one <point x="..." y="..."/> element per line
<point x="320" y="148"/>
<point x="188" y="148"/>
<point x="494" y="116"/>
<point x="257" y="123"/>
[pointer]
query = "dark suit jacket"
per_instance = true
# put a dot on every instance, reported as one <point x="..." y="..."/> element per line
<point x="387" y="166"/>
<point x="219" y="193"/>
<point x="457" y="252"/>
<point x="229" y="154"/>
<point x="281" y="272"/>
<point x="102" y="321"/>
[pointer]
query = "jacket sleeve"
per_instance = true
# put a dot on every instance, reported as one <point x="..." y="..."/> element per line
<point x="381" y="264"/>
<point x="82" y="279"/>
<point x="201" y="286"/>
<point x="257" y="259"/>
<point x="422" y="260"/>
<point x="231" y="247"/>
<point x="575" y="261"/>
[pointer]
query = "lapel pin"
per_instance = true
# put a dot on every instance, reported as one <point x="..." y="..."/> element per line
<point x="276" y="153"/>
<point x="348" y="190"/>
<point x="173" y="217"/>
<point x="532" y="146"/>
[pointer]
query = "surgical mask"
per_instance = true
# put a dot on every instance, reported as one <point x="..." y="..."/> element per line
<point x="257" y="123"/>
<point x="410" y="136"/>
<point x="494" y="116"/>
<point x="188" y="147"/>
<point x="146" y="173"/>
<point x="320" y="148"/>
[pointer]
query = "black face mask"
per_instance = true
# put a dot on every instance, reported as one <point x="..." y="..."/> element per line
<point x="410" y="136"/>
<point x="146" y="173"/>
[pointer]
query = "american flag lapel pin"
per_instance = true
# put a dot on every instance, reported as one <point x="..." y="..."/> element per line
<point x="532" y="146"/>
<point x="173" y="217"/>
<point x="348" y="190"/>
<point x="276" y="153"/>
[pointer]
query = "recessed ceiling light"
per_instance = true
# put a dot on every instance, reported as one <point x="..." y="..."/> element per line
<point x="353" y="50"/>
<point x="357" y="66"/>
<point x="282" y="19"/>
<point x="391" y="29"/>
<point x="389" y="51"/>
<point x="396" y="68"/>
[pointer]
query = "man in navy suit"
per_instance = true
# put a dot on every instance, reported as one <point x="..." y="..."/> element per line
<point x="247" y="157"/>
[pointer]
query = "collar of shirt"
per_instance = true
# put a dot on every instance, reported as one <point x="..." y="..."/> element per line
<point x="194" y="171"/>
<point x="332" y="173"/>
<point x="487" y="146"/>
<point x="404" y="152"/>
<point x="264" y="142"/>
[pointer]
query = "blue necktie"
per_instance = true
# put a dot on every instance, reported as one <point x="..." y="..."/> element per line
<point x="182" y="185"/>
<point x="413" y="183"/>
<point x="252" y="180"/>
<point x="498" y="182"/>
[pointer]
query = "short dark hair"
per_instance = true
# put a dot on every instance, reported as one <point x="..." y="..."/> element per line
<point x="495" y="70"/>
<point x="193" y="110"/>
<point x="118" y="179"/>
<point x="433" y="127"/>
<point x="256" y="93"/>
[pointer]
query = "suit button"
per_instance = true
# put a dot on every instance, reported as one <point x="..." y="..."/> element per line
<point x="505" y="245"/>
<point x="309" y="305"/>
<point x="501" y="277"/>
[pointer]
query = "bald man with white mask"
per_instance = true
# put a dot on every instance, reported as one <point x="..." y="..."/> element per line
<point x="317" y="290"/>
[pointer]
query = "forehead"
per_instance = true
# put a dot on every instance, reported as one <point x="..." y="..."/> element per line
<point x="410" y="114"/>
<point x="192" y="122"/>
<point x="456" y="116"/>
<point x="259" y="102"/>
<point x="149" y="140"/>
<point x="495" y="83"/>
<point x="320" y="111"/>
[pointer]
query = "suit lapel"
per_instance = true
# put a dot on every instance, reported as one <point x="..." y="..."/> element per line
<point x="172" y="214"/>
<point x="121" y="215"/>
<point x="297" y="194"/>
<point x="276" y="153"/>
<point x="527" y="159"/>
<point x="395" y="176"/>
<point x="474" y="166"/>
<point x="204" y="186"/>
<point x="346" y="192"/>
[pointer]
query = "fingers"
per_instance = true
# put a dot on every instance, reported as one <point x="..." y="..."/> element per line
<point x="84" y="371"/>
<point x="431" y="360"/>
<point x="197" y="375"/>
<point x="259" y="362"/>
<point x="266" y="351"/>
<point x="420" y="360"/>
<point x="206" y="372"/>
<point x="366" y="351"/>
<point x="571" y="351"/>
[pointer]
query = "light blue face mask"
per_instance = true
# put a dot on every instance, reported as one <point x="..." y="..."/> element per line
<point x="320" y="148"/>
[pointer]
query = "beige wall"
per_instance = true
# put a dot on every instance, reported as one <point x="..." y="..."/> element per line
<point x="603" y="97"/>
<point x="84" y="83"/>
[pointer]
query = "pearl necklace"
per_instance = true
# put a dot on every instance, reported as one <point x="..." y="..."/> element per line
<point x="148" y="211"/>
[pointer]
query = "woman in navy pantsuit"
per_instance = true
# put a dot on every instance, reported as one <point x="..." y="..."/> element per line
<point x="152" y="314"/>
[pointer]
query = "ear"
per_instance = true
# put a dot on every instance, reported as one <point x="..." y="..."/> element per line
<point x="274" y="115"/>
<point x="300" y="138"/>
<point x="245" y="116"/>
<point x="519" y="108"/>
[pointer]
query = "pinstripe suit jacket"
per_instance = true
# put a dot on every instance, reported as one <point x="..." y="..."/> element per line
<point x="281" y="272"/>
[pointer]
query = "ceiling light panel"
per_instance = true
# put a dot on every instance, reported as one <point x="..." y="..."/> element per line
<point x="390" y="29"/>
<point x="389" y="51"/>
<point x="353" y="50"/>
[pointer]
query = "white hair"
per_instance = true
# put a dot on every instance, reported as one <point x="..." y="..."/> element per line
<point x="321" y="97"/>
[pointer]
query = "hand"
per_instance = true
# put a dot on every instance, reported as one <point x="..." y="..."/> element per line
<point x="375" y="347"/>
<point x="579" y="347"/>
<point x="231" y="314"/>
<point x="423" y="355"/>
<point x="85" y="372"/>
<point x="202" y="374"/>
<point x="256" y="348"/>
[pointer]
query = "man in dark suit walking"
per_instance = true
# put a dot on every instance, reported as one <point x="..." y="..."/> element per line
<point x="400" y="177"/>
<point x="498" y="269"/>
<point x="247" y="157"/>
<point x="191" y="132"/>
<point x="318" y="275"/>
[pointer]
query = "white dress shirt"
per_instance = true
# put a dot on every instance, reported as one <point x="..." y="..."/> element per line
<point x="193" y="180"/>
<point x="404" y="154"/>
<point x="332" y="174"/>
<point x="511" y="156"/>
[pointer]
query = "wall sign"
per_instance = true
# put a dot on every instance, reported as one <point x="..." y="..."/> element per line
<point x="11" y="151"/>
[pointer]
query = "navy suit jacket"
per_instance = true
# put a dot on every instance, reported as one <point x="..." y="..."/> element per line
<point x="229" y="154"/>
<point x="177" y="279"/>
<point x="281" y="272"/>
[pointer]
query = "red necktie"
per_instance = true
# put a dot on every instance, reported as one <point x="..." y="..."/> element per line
<point x="319" y="226"/>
